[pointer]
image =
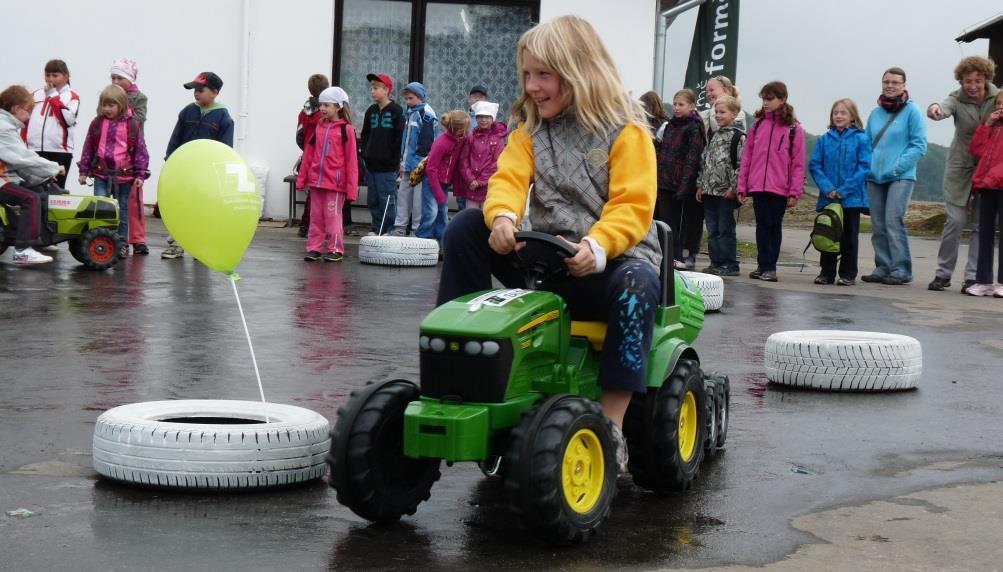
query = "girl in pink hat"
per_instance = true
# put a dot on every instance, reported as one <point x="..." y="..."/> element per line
<point x="123" y="74"/>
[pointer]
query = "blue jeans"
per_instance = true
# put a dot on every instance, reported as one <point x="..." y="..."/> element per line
<point x="461" y="203"/>
<point x="433" y="215"/>
<point x="889" y="237"/>
<point x="103" y="188"/>
<point x="719" y="214"/>
<point x="381" y="186"/>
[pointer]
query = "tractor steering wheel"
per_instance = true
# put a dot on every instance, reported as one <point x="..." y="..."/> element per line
<point x="542" y="258"/>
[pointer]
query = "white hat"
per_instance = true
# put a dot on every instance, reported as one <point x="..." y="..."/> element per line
<point x="333" y="94"/>
<point x="485" y="108"/>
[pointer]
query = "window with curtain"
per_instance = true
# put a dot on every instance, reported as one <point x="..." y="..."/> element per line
<point x="376" y="38"/>
<point x="470" y="44"/>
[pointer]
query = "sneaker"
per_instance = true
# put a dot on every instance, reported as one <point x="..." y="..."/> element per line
<point x="678" y="264"/>
<point x="621" y="449"/>
<point x="171" y="252"/>
<point x="49" y="248"/>
<point x="980" y="290"/>
<point x="894" y="281"/>
<point x="123" y="251"/>
<point x="768" y="277"/>
<point x="30" y="256"/>
<point x="968" y="284"/>
<point x="938" y="284"/>
<point x="756" y="274"/>
<point x="823" y="279"/>
<point x="715" y="270"/>
<point x="873" y="278"/>
<point x="301" y="232"/>
<point x="140" y="249"/>
<point x="398" y="232"/>
<point x="371" y="233"/>
<point x="845" y="281"/>
<point x="333" y="257"/>
<point x="730" y="272"/>
<point x="998" y="291"/>
<point x="690" y="263"/>
<point x="312" y="256"/>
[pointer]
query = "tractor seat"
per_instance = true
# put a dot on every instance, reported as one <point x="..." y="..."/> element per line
<point x="595" y="332"/>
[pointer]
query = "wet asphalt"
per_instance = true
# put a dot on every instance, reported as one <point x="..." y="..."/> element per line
<point x="80" y="342"/>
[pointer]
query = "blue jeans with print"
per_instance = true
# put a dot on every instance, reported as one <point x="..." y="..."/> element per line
<point x="433" y="215"/>
<point x="104" y="188"/>
<point x="889" y="237"/>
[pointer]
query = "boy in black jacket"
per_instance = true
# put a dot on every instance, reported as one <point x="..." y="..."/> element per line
<point x="382" y="129"/>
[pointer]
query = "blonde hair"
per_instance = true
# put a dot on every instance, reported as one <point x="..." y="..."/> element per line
<point x="851" y="107"/>
<point x="730" y="103"/>
<point x="728" y="87"/>
<point x="115" y="94"/>
<point x="456" y="122"/>
<point x="688" y="96"/>
<point x="570" y="47"/>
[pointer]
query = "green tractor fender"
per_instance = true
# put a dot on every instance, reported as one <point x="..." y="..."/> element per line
<point x="663" y="361"/>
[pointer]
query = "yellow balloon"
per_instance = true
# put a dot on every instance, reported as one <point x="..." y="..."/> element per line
<point x="209" y="201"/>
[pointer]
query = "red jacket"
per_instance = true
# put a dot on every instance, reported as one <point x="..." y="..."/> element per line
<point x="987" y="147"/>
<point x="330" y="162"/>
<point x="479" y="160"/>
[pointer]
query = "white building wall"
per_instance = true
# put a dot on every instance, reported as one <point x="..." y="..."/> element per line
<point x="289" y="40"/>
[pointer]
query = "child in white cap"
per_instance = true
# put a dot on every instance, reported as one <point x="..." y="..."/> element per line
<point x="123" y="74"/>
<point x="330" y="169"/>
<point x="479" y="157"/>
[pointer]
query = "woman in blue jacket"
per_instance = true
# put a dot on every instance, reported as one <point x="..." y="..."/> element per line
<point x="898" y="139"/>
<point x="839" y="166"/>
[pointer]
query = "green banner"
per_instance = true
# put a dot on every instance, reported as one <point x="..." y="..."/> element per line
<point x="715" y="47"/>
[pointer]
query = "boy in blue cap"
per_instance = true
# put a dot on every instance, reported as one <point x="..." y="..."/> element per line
<point x="419" y="132"/>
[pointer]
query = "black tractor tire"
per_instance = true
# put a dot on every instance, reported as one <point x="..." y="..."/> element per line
<point x="369" y="470"/>
<point x="99" y="248"/>
<point x="76" y="250"/>
<point x="664" y="459"/>
<point x="722" y="400"/>
<point x="562" y="471"/>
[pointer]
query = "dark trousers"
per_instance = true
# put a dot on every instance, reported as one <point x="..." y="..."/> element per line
<point x="30" y="219"/>
<point x="722" y="242"/>
<point x="64" y="159"/>
<point x="684" y="215"/>
<point x="305" y="218"/>
<point x="770" y="210"/>
<point x="381" y="198"/>
<point x="848" y="243"/>
<point x="625" y="296"/>
<point x="990" y="219"/>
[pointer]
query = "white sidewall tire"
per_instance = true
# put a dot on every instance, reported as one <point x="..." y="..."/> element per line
<point x="711" y="288"/>
<point x="132" y="444"/>
<point x="398" y="251"/>
<point x="836" y="360"/>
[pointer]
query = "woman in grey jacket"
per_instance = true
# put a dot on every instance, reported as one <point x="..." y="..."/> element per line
<point x="970" y="106"/>
<point x="18" y="165"/>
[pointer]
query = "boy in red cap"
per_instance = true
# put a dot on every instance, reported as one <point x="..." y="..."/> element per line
<point x="382" y="129"/>
<point x="206" y="118"/>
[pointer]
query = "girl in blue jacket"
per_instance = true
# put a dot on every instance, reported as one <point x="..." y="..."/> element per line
<point x="839" y="166"/>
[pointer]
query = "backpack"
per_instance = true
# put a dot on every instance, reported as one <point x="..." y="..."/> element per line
<point x="131" y="138"/>
<point x="827" y="229"/>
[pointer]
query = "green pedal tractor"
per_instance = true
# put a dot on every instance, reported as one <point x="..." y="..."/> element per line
<point x="510" y="382"/>
<point x="88" y="223"/>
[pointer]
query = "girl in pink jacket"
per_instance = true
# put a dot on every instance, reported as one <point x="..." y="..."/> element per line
<point x="479" y="158"/>
<point x="441" y="169"/>
<point x="773" y="172"/>
<point x="330" y="169"/>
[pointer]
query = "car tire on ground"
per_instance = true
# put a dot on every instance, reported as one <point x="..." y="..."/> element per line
<point x="711" y="288"/>
<point x="398" y="251"/>
<point x="835" y="360"/>
<point x="211" y="444"/>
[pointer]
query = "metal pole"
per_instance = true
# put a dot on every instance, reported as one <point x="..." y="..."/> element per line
<point x="665" y="19"/>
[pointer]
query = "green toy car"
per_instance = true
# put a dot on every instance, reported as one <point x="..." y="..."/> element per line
<point x="510" y="382"/>
<point x="89" y="224"/>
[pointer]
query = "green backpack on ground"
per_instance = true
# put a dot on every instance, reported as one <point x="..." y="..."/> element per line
<point x="828" y="229"/>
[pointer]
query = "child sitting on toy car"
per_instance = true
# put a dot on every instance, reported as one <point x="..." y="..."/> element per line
<point x="22" y="166"/>
<point x="588" y="154"/>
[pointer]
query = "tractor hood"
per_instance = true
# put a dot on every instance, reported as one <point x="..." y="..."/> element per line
<point x="494" y="314"/>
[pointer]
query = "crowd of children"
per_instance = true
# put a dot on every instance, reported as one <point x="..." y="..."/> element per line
<point x="707" y="163"/>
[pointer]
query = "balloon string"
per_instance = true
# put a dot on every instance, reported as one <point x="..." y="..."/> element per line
<point x="254" y="360"/>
